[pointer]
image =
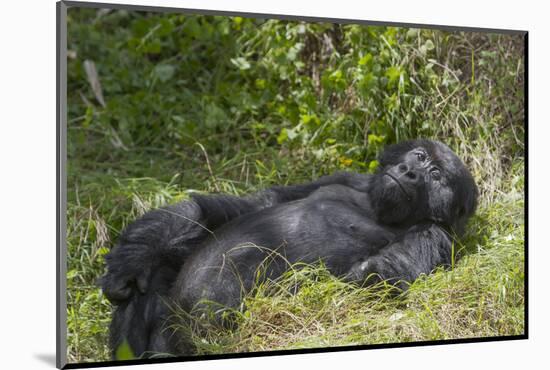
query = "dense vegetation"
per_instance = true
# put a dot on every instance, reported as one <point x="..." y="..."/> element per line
<point x="185" y="103"/>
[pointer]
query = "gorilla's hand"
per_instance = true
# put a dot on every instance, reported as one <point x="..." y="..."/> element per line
<point x="364" y="272"/>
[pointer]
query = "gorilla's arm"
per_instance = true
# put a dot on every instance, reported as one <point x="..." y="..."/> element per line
<point x="166" y="236"/>
<point x="419" y="251"/>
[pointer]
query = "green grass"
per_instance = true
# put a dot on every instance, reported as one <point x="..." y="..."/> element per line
<point x="236" y="105"/>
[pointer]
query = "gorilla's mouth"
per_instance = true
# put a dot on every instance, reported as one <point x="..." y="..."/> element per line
<point x="409" y="198"/>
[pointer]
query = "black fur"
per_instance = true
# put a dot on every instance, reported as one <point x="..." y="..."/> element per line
<point x="394" y="225"/>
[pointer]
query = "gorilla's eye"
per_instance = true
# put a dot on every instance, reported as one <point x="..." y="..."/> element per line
<point x="435" y="173"/>
<point x="421" y="156"/>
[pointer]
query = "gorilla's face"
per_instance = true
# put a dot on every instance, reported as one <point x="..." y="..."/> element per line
<point x="423" y="180"/>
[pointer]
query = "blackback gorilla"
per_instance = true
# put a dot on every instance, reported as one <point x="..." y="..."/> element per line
<point x="393" y="225"/>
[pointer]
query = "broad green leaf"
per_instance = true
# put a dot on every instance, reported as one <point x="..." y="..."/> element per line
<point x="164" y="72"/>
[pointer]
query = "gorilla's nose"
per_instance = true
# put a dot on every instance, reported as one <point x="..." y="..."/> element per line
<point x="407" y="173"/>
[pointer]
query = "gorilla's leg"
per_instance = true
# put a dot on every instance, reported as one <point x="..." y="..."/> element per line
<point x="144" y="264"/>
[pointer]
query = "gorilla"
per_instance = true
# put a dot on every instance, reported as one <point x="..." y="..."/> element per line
<point x="393" y="225"/>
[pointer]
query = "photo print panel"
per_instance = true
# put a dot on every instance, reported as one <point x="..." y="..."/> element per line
<point x="236" y="185"/>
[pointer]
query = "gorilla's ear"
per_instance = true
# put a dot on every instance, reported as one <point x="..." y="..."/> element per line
<point x="466" y="202"/>
<point x="472" y="193"/>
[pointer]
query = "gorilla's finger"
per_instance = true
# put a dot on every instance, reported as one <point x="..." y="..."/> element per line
<point x="117" y="292"/>
<point x="142" y="280"/>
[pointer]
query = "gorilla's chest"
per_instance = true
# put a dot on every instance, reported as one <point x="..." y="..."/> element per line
<point x="309" y="231"/>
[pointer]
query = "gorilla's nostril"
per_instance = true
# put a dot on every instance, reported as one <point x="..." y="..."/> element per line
<point x="403" y="167"/>
<point x="411" y="175"/>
